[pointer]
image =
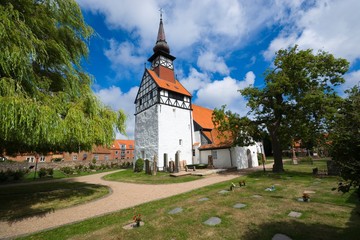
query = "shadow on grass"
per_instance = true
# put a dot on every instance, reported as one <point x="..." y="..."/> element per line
<point x="36" y="200"/>
<point x="301" y="230"/>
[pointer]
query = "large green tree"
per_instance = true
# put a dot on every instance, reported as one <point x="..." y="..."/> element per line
<point x="46" y="101"/>
<point x="344" y="138"/>
<point x="298" y="99"/>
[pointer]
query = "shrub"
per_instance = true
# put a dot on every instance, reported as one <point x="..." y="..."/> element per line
<point x="18" y="174"/>
<point x="50" y="172"/>
<point x="67" y="170"/>
<point x="139" y="165"/>
<point x="3" y="176"/>
<point x="42" y="173"/>
<point x="56" y="160"/>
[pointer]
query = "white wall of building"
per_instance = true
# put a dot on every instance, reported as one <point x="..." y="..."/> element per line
<point x="175" y="133"/>
<point x="240" y="156"/>
<point x="146" y="133"/>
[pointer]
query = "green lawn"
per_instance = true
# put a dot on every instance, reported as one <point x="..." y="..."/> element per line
<point x="329" y="214"/>
<point x="17" y="202"/>
<point x="160" y="178"/>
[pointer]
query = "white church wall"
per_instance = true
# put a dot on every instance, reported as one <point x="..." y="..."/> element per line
<point x="223" y="159"/>
<point x="240" y="156"/>
<point x="197" y="139"/>
<point x="146" y="133"/>
<point x="175" y="131"/>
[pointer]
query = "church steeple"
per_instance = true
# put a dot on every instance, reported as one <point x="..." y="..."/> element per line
<point x="161" y="60"/>
<point x="161" y="44"/>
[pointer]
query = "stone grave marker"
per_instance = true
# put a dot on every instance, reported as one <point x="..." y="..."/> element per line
<point x="147" y="167"/>
<point x="213" y="221"/>
<point x="280" y="236"/>
<point x="224" y="191"/>
<point x="239" y="205"/>
<point x="295" y="214"/>
<point x="176" y="210"/>
<point x="203" y="199"/>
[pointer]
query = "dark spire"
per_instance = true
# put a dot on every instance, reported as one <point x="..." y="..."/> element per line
<point x="161" y="44"/>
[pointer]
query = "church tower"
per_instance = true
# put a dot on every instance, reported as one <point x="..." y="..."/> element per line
<point x="163" y="115"/>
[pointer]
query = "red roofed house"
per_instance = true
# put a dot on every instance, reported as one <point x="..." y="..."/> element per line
<point x="166" y="122"/>
<point x="123" y="150"/>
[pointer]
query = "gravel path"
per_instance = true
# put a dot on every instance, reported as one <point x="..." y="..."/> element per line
<point x="124" y="195"/>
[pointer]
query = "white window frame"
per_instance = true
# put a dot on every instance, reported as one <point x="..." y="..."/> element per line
<point x="42" y="159"/>
<point x="74" y="157"/>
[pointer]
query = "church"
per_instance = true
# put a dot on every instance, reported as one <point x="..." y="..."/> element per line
<point x="168" y="123"/>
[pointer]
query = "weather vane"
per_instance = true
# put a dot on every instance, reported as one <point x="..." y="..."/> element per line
<point x="161" y="12"/>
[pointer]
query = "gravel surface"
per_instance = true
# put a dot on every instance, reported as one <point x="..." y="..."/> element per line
<point x="123" y="195"/>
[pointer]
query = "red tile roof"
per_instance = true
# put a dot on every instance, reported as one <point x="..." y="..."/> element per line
<point x="118" y="142"/>
<point x="164" y="84"/>
<point x="203" y="117"/>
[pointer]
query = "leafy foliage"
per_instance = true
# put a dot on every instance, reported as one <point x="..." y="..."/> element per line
<point x="139" y="165"/>
<point x="298" y="99"/>
<point x="46" y="101"/>
<point x="345" y="137"/>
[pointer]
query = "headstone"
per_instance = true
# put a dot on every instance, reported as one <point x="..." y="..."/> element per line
<point x="176" y="210"/>
<point x="256" y="196"/>
<point x="213" y="221"/>
<point x="171" y="166"/>
<point x="295" y="214"/>
<point x="210" y="162"/>
<point x="165" y="162"/>
<point x="177" y="159"/>
<point x="154" y="168"/>
<point x="280" y="236"/>
<point x="203" y="199"/>
<point x="147" y="167"/>
<point x="239" y="205"/>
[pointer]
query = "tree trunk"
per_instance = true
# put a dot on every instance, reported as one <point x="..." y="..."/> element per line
<point x="277" y="151"/>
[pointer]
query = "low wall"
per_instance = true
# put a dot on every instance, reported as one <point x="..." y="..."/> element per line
<point x="55" y="165"/>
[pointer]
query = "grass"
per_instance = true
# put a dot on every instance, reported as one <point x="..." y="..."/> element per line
<point x="329" y="214"/>
<point x="18" y="202"/>
<point x="160" y="178"/>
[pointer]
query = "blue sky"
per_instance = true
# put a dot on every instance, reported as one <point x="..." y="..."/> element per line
<point x="220" y="46"/>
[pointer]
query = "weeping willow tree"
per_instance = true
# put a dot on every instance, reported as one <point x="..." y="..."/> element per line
<point x="46" y="101"/>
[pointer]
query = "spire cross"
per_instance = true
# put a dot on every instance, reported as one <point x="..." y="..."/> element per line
<point x="161" y="12"/>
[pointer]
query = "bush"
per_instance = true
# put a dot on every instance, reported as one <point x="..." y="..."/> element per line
<point x="50" y="172"/>
<point x="3" y="176"/>
<point x="18" y="174"/>
<point x="67" y="170"/>
<point x="139" y="165"/>
<point x="56" y="160"/>
<point x="42" y="173"/>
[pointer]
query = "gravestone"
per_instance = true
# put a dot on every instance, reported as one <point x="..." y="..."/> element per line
<point x="177" y="161"/>
<point x="147" y="167"/>
<point x="223" y="191"/>
<point x="239" y="205"/>
<point x="280" y="236"/>
<point x="176" y="210"/>
<point x="165" y="162"/>
<point x="213" y="221"/>
<point x="203" y="199"/>
<point x="295" y="214"/>
<point x="210" y="162"/>
<point x="171" y="166"/>
<point x="154" y="168"/>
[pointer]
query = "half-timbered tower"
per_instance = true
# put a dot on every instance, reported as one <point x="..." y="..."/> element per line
<point x="163" y="117"/>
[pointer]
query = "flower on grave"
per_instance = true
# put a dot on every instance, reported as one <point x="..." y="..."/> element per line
<point x="306" y="197"/>
<point x="137" y="218"/>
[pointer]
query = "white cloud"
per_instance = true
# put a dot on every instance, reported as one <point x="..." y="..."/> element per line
<point x="225" y="91"/>
<point x="331" y="26"/>
<point x="195" y="80"/>
<point x="123" y="54"/>
<point x="351" y="79"/>
<point x="116" y="99"/>
<point x="209" y="62"/>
